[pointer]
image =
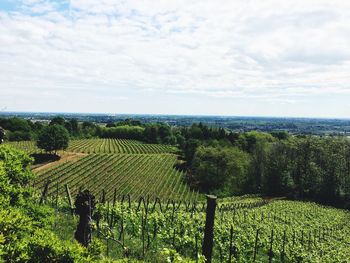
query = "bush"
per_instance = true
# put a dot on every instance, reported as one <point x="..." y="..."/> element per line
<point x="15" y="175"/>
<point x="123" y="132"/>
<point x="18" y="136"/>
<point x="24" y="226"/>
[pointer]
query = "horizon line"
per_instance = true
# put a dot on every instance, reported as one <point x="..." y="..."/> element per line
<point x="175" y="115"/>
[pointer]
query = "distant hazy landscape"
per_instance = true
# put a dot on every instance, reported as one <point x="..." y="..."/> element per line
<point x="314" y="126"/>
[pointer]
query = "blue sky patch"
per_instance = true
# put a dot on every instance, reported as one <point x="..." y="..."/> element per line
<point x="8" y="5"/>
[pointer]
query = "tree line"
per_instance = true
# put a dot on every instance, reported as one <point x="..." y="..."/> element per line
<point x="273" y="164"/>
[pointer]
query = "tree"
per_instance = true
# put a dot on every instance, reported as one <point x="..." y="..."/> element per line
<point x="196" y="132"/>
<point x="18" y="136"/>
<point x="190" y="149"/>
<point x="110" y="125"/>
<point x="68" y="126"/>
<point x="256" y="143"/>
<point x="89" y="129"/>
<point x="220" y="169"/>
<point x="151" y="134"/>
<point x="180" y="140"/>
<point x="58" y="120"/>
<point x="15" y="124"/>
<point x="278" y="179"/>
<point x="123" y="132"/>
<point x="53" y="138"/>
<point x="164" y="131"/>
<point x="281" y="135"/>
<point x="75" y="126"/>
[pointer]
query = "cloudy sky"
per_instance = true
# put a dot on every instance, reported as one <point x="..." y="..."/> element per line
<point x="238" y="57"/>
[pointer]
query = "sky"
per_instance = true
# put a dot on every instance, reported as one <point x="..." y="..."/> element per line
<point x="238" y="57"/>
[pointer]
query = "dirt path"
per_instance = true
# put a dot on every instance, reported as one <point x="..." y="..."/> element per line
<point x="65" y="157"/>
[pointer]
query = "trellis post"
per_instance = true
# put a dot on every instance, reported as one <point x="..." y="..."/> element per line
<point x="69" y="199"/>
<point x="207" y="248"/>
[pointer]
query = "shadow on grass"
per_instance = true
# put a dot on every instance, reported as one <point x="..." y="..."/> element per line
<point x="44" y="158"/>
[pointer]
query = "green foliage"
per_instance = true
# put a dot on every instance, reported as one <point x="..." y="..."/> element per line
<point x="306" y="167"/>
<point x="168" y="255"/>
<point x="27" y="146"/>
<point x="53" y="138"/>
<point x="90" y="130"/>
<point x="15" y="124"/>
<point x="24" y="241"/>
<point x="151" y="134"/>
<point x="134" y="174"/>
<point x="14" y="175"/>
<point x="74" y="127"/>
<point x="58" y="120"/>
<point x="18" y="136"/>
<point x="190" y="148"/>
<point x="224" y="168"/>
<point x="310" y="167"/>
<point x="159" y="133"/>
<point x="281" y="135"/>
<point x="117" y="146"/>
<point x="16" y="129"/>
<point x="278" y="178"/>
<point x="24" y="226"/>
<point x="313" y="233"/>
<point x="96" y="249"/>
<point x="248" y="140"/>
<point x="123" y="132"/>
<point x="129" y="122"/>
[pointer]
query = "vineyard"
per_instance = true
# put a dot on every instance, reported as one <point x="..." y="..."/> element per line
<point x="252" y="230"/>
<point x="125" y="166"/>
<point x="102" y="146"/>
<point x="154" y="226"/>
<point x="117" y="146"/>
<point x="145" y="174"/>
<point x="27" y="146"/>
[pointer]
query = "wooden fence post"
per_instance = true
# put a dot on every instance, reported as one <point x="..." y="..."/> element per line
<point x="283" y="245"/>
<point x="256" y="245"/>
<point x="103" y="197"/>
<point x="271" y="247"/>
<point x="113" y="207"/>
<point x="56" y="204"/>
<point x="129" y="201"/>
<point x="69" y="199"/>
<point x="208" y="241"/>
<point x="231" y="243"/>
<point x="45" y="191"/>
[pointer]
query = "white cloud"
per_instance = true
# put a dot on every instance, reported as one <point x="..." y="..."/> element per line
<point x="237" y="49"/>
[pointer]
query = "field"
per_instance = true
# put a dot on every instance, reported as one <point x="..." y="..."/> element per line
<point x="134" y="174"/>
<point x="252" y="230"/>
<point x="128" y="167"/>
<point x="102" y="146"/>
<point x="117" y="146"/>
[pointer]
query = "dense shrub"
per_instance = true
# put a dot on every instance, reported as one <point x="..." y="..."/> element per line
<point x="25" y="234"/>
<point x="123" y="132"/>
